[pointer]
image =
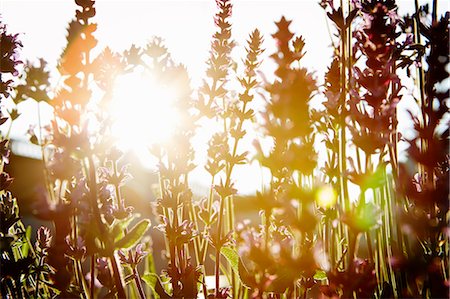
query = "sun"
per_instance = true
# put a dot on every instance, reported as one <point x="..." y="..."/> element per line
<point x="143" y="111"/>
<point x="326" y="197"/>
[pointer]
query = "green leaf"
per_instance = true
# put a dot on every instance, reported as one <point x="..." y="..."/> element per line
<point x="153" y="281"/>
<point x="238" y="267"/>
<point x="232" y="257"/>
<point x="116" y="233"/>
<point x="134" y="235"/>
<point x="117" y="228"/>
<point x="320" y="275"/>
<point x="150" y="262"/>
<point x="26" y="244"/>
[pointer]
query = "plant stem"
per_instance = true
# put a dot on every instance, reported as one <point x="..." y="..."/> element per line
<point x="96" y="211"/>
<point x="217" y="271"/>
<point x="204" y="242"/>
<point x="48" y="184"/>
<point x="117" y="277"/>
<point x="342" y="135"/>
<point x="92" y="282"/>
<point x="83" y="284"/>
<point x="138" y="282"/>
<point x="421" y="81"/>
<point x="120" y="202"/>
<point x="219" y="242"/>
<point x="38" y="275"/>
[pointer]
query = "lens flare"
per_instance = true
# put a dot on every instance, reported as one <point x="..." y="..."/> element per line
<point x="143" y="111"/>
<point x="326" y="197"/>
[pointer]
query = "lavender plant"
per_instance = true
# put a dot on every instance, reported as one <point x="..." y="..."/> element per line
<point x="314" y="237"/>
<point x="23" y="265"/>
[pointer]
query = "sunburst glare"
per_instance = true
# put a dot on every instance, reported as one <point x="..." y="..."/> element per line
<point x="143" y="111"/>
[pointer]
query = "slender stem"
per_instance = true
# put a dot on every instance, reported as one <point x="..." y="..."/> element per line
<point x="305" y="293"/>
<point x="138" y="282"/>
<point x="93" y="273"/>
<point x="217" y="270"/>
<point x="78" y="266"/>
<point x="219" y="242"/>
<point x="117" y="277"/>
<point x="48" y="184"/>
<point x="421" y="82"/>
<point x="83" y="284"/>
<point x="19" y="290"/>
<point x="96" y="211"/>
<point x="230" y="209"/>
<point x="198" y="248"/>
<point x="120" y="202"/>
<point x="165" y="212"/>
<point x="204" y="242"/>
<point x="342" y="116"/>
<point x="434" y="12"/>
<point x="345" y="201"/>
<point x="175" y="286"/>
<point x="38" y="276"/>
<point x="196" y="243"/>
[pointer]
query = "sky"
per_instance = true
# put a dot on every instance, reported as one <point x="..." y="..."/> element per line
<point x="186" y="27"/>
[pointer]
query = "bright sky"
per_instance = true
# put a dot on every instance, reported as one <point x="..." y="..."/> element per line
<point x="186" y="27"/>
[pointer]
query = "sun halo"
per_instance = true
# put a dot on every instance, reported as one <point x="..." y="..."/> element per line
<point x="143" y="111"/>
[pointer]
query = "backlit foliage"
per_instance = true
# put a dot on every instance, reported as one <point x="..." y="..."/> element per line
<point x="310" y="237"/>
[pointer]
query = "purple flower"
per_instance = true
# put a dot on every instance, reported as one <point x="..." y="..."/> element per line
<point x="4" y="151"/>
<point x="133" y="259"/>
<point x="43" y="239"/>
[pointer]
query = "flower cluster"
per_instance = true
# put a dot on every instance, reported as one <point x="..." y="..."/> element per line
<point x="310" y="235"/>
<point x="427" y="189"/>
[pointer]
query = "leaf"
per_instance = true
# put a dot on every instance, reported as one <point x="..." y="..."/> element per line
<point x="232" y="257"/>
<point x="118" y="227"/>
<point x="320" y="275"/>
<point x="134" y="235"/>
<point x="153" y="281"/>
<point x="26" y="245"/>
<point x="150" y="262"/>
<point x="116" y="233"/>
<point x="223" y="269"/>
<point x="246" y="278"/>
<point x="350" y="17"/>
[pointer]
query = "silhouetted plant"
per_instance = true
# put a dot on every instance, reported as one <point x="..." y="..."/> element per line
<point x="427" y="188"/>
<point x="23" y="265"/>
<point x="315" y="238"/>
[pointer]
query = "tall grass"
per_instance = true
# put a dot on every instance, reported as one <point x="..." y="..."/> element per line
<point x="314" y="238"/>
